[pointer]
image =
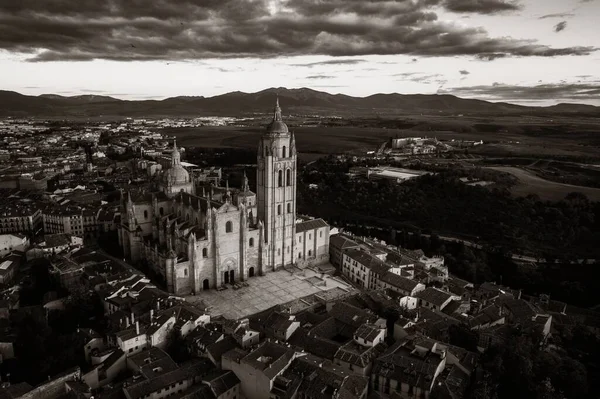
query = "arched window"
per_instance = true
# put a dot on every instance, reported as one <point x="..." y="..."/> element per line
<point x="280" y="178"/>
<point x="251" y="243"/>
<point x="146" y="215"/>
<point x="204" y="253"/>
<point x="288" y="177"/>
<point x="289" y="207"/>
<point x="228" y="227"/>
<point x="185" y="272"/>
<point x="309" y="252"/>
<point x="284" y="155"/>
<point x="279" y="209"/>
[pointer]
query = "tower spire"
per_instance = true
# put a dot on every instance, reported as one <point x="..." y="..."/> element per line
<point x="277" y="111"/>
<point x="175" y="156"/>
<point x="245" y="187"/>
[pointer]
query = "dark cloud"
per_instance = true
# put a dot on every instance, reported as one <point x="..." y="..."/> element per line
<point x="556" y="91"/>
<point x="482" y="6"/>
<point x="560" y="26"/>
<point x="490" y="56"/>
<point x="420" y="77"/>
<point x="348" y="61"/>
<point x="558" y="15"/>
<point x="126" y="30"/>
<point x="464" y="72"/>
<point x="319" y="77"/>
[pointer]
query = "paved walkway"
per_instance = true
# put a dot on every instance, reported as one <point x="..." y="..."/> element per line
<point x="266" y="291"/>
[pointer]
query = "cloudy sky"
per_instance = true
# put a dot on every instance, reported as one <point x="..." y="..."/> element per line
<point x="537" y="52"/>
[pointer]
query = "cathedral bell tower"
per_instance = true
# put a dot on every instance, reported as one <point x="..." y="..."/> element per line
<point x="276" y="191"/>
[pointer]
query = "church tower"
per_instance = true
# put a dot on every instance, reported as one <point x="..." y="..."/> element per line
<point x="276" y="191"/>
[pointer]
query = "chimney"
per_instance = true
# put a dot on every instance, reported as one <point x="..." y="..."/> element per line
<point x="132" y="318"/>
<point x="137" y="328"/>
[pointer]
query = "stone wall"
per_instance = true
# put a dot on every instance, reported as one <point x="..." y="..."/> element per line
<point x="53" y="389"/>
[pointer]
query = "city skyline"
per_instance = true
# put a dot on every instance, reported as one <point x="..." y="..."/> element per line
<point x="526" y="52"/>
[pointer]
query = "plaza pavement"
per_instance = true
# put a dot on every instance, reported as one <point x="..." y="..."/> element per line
<point x="266" y="291"/>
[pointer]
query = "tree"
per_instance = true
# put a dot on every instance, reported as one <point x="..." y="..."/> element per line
<point x="176" y="347"/>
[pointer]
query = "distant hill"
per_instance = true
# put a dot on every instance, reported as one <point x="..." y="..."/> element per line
<point x="237" y="103"/>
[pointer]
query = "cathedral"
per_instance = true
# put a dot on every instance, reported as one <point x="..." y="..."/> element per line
<point x="203" y="240"/>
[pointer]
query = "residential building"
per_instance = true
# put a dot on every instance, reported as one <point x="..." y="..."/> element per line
<point x="13" y="242"/>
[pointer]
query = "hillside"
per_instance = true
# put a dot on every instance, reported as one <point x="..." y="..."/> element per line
<point x="299" y="101"/>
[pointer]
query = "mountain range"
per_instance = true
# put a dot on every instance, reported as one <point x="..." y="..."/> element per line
<point x="298" y="101"/>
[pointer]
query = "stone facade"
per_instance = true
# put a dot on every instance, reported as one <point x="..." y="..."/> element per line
<point x="198" y="241"/>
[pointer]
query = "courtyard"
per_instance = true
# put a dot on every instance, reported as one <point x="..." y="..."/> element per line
<point x="266" y="291"/>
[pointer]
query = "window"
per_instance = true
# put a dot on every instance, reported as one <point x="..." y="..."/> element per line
<point x="309" y="236"/>
<point x="288" y="177"/>
<point x="299" y="255"/>
<point x="185" y="272"/>
<point x="279" y="209"/>
<point x="320" y="234"/>
<point x="251" y="243"/>
<point x="280" y="178"/>
<point x="300" y="239"/>
<point x="278" y="251"/>
<point x="289" y="207"/>
<point x="309" y="252"/>
<point x="204" y="253"/>
<point x="284" y="155"/>
<point x="228" y="227"/>
<point x="146" y="215"/>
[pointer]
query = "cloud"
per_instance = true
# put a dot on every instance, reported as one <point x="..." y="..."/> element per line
<point x="420" y="77"/>
<point x="130" y="30"/>
<point x="490" y="56"/>
<point x="482" y="6"/>
<point x="319" y="77"/>
<point x="347" y="61"/>
<point x="464" y="72"/>
<point x="547" y="91"/>
<point x="560" y="26"/>
<point x="558" y="15"/>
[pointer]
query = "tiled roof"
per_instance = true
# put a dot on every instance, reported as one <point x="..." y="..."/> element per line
<point x="310" y="225"/>
<point x="222" y="381"/>
<point x="270" y="358"/>
<point x="188" y="371"/>
<point x="219" y="348"/>
<point x="368" y="332"/>
<point x="350" y="315"/>
<point x="400" y="282"/>
<point x="341" y="242"/>
<point x="434" y="296"/>
<point x="359" y="355"/>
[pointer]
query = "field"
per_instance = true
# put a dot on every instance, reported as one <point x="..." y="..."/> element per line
<point x="561" y="150"/>
<point x="504" y="136"/>
<point x="529" y="183"/>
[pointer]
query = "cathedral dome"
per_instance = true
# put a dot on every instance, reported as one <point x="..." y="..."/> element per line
<point x="176" y="174"/>
<point x="277" y="126"/>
